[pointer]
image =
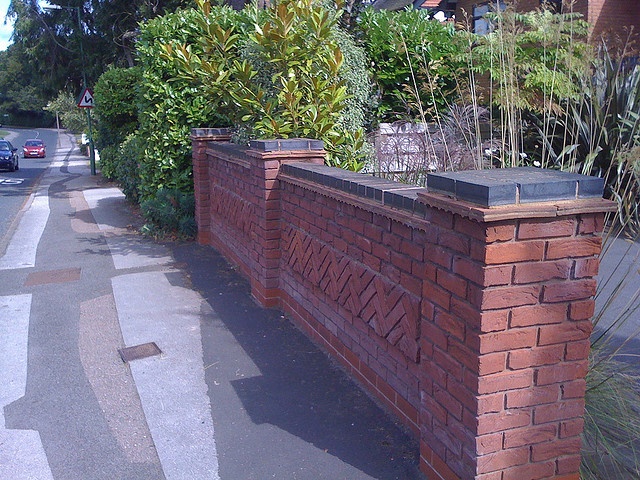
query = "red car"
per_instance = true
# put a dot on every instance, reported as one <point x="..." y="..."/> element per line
<point x="34" y="148"/>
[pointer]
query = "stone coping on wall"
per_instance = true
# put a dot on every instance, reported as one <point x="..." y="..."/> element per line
<point x="511" y="186"/>
<point x="285" y="145"/>
<point x="286" y="150"/>
<point x="550" y="191"/>
<point x="386" y="192"/>
<point x="211" y="134"/>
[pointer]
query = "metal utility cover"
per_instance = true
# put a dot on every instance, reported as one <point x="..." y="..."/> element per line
<point x="53" y="276"/>
<point x="139" y="351"/>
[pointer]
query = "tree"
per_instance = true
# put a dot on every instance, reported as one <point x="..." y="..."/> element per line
<point x="45" y="57"/>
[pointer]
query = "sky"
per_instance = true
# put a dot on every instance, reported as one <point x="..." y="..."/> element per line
<point x="5" y="30"/>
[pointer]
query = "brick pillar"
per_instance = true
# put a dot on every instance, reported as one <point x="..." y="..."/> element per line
<point x="506" y="322"/>
<point x="200" y="137"/>
<point x="238" y="201"/>
<point x="267" y="157"/>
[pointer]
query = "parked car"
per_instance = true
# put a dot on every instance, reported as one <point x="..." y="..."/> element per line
<point x="34" y="148"/>
<point x="8" y="156"/>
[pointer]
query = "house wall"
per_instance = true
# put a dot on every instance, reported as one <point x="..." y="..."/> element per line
<point x="613" y="17"/>
<point x="471" y="324"/>
<point x="606" y="16"/>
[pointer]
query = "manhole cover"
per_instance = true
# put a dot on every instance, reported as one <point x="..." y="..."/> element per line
<point x="53" y="276"/>
<point x="139" y="351"/>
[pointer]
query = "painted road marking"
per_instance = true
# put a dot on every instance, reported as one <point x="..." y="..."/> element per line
<point x="11" y="181"/>
<point x="106" y="205"/>
<point x="22" y="454"/>
<point x="171" y="386"/>
<point x="21" y="251"/>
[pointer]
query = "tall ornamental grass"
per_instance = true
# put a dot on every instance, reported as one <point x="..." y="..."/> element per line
<point x="553" y="101"/>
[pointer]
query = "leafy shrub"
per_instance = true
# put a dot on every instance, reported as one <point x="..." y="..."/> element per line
<point x="530" y="63"/>
<point x="108" y="162"/>
<point x="410" y="53"/>
<point x="127" y="171"/>
<point x="71" y="117"/>
<point x="115" y="94"/>
<point x="361" y="104"/>
<point x="169" y="107"/>
<point x="288" y="81"/>
<point x="170" y="212"/>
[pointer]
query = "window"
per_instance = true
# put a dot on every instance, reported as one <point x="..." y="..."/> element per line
<point x="553" y="5"/>
<point x="481" y="25"/>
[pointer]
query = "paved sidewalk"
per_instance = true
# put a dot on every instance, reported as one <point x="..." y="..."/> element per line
<point x="237" y="392"/>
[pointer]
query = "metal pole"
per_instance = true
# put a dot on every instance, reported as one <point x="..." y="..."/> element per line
<point x="92" y="153"/>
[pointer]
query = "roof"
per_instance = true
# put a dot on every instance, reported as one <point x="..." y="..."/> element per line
<point x="391" y="4"/>
<point x="400" y="4"/>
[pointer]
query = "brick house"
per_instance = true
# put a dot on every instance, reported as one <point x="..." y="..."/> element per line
<point x="605" y="16"/>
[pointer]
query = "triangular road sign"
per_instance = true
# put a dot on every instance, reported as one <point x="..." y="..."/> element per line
<point x="86" y="99"/>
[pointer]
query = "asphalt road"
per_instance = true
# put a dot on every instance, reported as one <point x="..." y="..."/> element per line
<point x="78" y="283"/>
<point x="15" y="187"/>
<point x="73" y="410"/>
<point x="618" y="299"/>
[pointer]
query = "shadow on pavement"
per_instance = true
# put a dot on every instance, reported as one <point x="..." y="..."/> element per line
<point x="299" y="389"/>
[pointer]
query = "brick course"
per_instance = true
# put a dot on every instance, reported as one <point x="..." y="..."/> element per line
<point x="607" y="17"/>
<point x="473" y="332"/>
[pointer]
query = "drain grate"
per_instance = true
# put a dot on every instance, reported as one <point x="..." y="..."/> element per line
<point x="139" y="351"/>
<point x="53" y="276"/>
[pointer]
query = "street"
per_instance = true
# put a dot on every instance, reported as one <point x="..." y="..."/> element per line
<point x="15" y="187"/>
<point x="235" y="391"/>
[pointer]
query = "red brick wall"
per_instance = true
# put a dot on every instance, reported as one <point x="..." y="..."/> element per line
<point x="614" y="17"/>
<point x="355" y="276"/>
<point x="470" y="324"/>
<point x="605" y="16"/>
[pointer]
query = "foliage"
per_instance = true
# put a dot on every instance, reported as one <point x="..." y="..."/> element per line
<point x="529" y="62"/>
<point x="53" y="49"/>
<point x="118" y="22"/>
<point x="599" y="132"/>
<point x="116" y="110"/>
<point x="361" y="104"/>
<point x="288" y="81"/>
<point x="305" y="94"/>
<point x="21" y="101"/>
<point x="121" y="164"/>
<point x="115" y="94"/>
<point x="71" y="117"/>
<point x="408" y="49"/>
<point x="170" y="212"/>
<point x="169" y="106"/>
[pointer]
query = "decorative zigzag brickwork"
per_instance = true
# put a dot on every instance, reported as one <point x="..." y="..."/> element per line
<point x="391" y="311"/>
<point x="235" y="210"/>
<point x="471" y="324"/>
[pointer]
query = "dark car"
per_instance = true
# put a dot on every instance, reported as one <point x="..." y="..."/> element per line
<point x="8" y="156"/>
<point x="34" y="148"/>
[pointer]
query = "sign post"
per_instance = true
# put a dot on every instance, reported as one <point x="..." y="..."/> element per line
<point x="86" y="102"/>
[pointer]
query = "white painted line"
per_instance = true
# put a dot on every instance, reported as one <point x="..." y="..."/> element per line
<point x="102" y="201"/>
<point x="106" y="206"/>
<point x="11" y="181"/>
<point x="21" y="251"/>
<point x="69" y="163"/>
<point x="14" y="336"/>
<point x="171" y="386"/>
<point x="22" y="454"/>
